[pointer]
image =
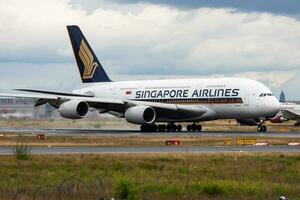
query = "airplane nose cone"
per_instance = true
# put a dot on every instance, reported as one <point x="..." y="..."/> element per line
<point x="270" y="107"/>
<point x="277" y="105"/>
<point x="274" y="106"/>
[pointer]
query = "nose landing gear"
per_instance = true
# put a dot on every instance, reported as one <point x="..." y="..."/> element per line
<point x="261" y="128"/>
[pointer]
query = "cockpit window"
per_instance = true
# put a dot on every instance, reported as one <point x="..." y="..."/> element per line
<point x="265" y="94"/>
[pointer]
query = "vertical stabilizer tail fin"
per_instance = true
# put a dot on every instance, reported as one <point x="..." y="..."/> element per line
<point x="88" y="64"/>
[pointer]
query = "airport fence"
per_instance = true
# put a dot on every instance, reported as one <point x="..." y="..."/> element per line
<point x="68" y="188"/>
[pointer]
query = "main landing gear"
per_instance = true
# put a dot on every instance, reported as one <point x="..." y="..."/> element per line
<point x="261" y="128"/>
<point x="194" y="127"/>
<point x="169" y="128"/>
<point x="160" y="128"/>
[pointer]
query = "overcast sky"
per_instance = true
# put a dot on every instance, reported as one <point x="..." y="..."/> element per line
<point x="136" y="39"/>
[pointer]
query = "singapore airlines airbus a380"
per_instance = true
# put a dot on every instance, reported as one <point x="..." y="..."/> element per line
<point x="167" y="102"/>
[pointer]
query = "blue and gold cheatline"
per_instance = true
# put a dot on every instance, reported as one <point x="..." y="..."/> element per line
<point x="87" y="59"/>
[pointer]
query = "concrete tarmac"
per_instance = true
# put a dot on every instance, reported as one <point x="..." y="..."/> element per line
<point x="111" y="150"/>
<point x="100" y="132"/>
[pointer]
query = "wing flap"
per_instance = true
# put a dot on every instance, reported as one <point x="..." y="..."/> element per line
<point x="29" y="96"/>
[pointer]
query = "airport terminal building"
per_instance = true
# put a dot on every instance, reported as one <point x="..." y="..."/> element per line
<point x="23" y="108"/>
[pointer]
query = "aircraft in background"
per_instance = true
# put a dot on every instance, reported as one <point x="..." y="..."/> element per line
<point x="289" y="111"/>
<point x="167" y="102"/>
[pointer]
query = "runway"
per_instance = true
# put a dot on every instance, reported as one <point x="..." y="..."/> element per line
<point x="128" y="150"/>
<point x="101" y="132"/>
<point x="157" y="149"/>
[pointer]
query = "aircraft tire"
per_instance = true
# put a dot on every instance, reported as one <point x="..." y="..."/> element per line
<point x="199" y="128"/>
<point x="261" y="128"/>
<point x="164" y="128"/>
<point x="189" y="128"/>
<point x="179" y="128"/>
<point x="174" y="128"/>
<point x="160" y="128"/>
<point x="264" y="128"/>
<point x="258" y="129"/>
<point x="148" y="128"/>
<point x="194" y="127"/>
<point x="169" y="128"/>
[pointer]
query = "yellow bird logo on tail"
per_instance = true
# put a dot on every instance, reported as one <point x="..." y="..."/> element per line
<point x="87" y="59"/>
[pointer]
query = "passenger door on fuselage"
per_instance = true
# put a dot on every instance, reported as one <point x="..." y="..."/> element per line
<point x="246" y="100"/>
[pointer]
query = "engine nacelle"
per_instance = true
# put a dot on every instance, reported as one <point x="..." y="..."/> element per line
<point x="73" y="109"/>
<point x="249" y="122"/>
<point x="140" y="115"/>
<point x="278" y="118"/>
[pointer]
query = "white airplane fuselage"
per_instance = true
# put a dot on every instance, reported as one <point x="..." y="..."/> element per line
<point x="223" y="98"/>
<point x="146" y="102"/>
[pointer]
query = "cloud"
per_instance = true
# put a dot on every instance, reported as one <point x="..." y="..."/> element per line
<point x="154" y="36"/>
<point x="291" y="88"/>
<point x="54" y="76"/>
<point x="147" y="38"/>
<point x="278" y="7"/>
<point x="274" y="79"/>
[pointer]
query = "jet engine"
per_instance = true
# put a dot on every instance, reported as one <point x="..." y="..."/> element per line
<point x="73" y="109"/>
<point x="140" y="115"/>
<point x="278" y="118"/>
<point x="249" y="122"/>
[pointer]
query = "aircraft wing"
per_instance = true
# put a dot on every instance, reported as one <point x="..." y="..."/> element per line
<point x="56" y="100"/>
<point x="105" y="104"/>
<point x="290" y="115"/>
